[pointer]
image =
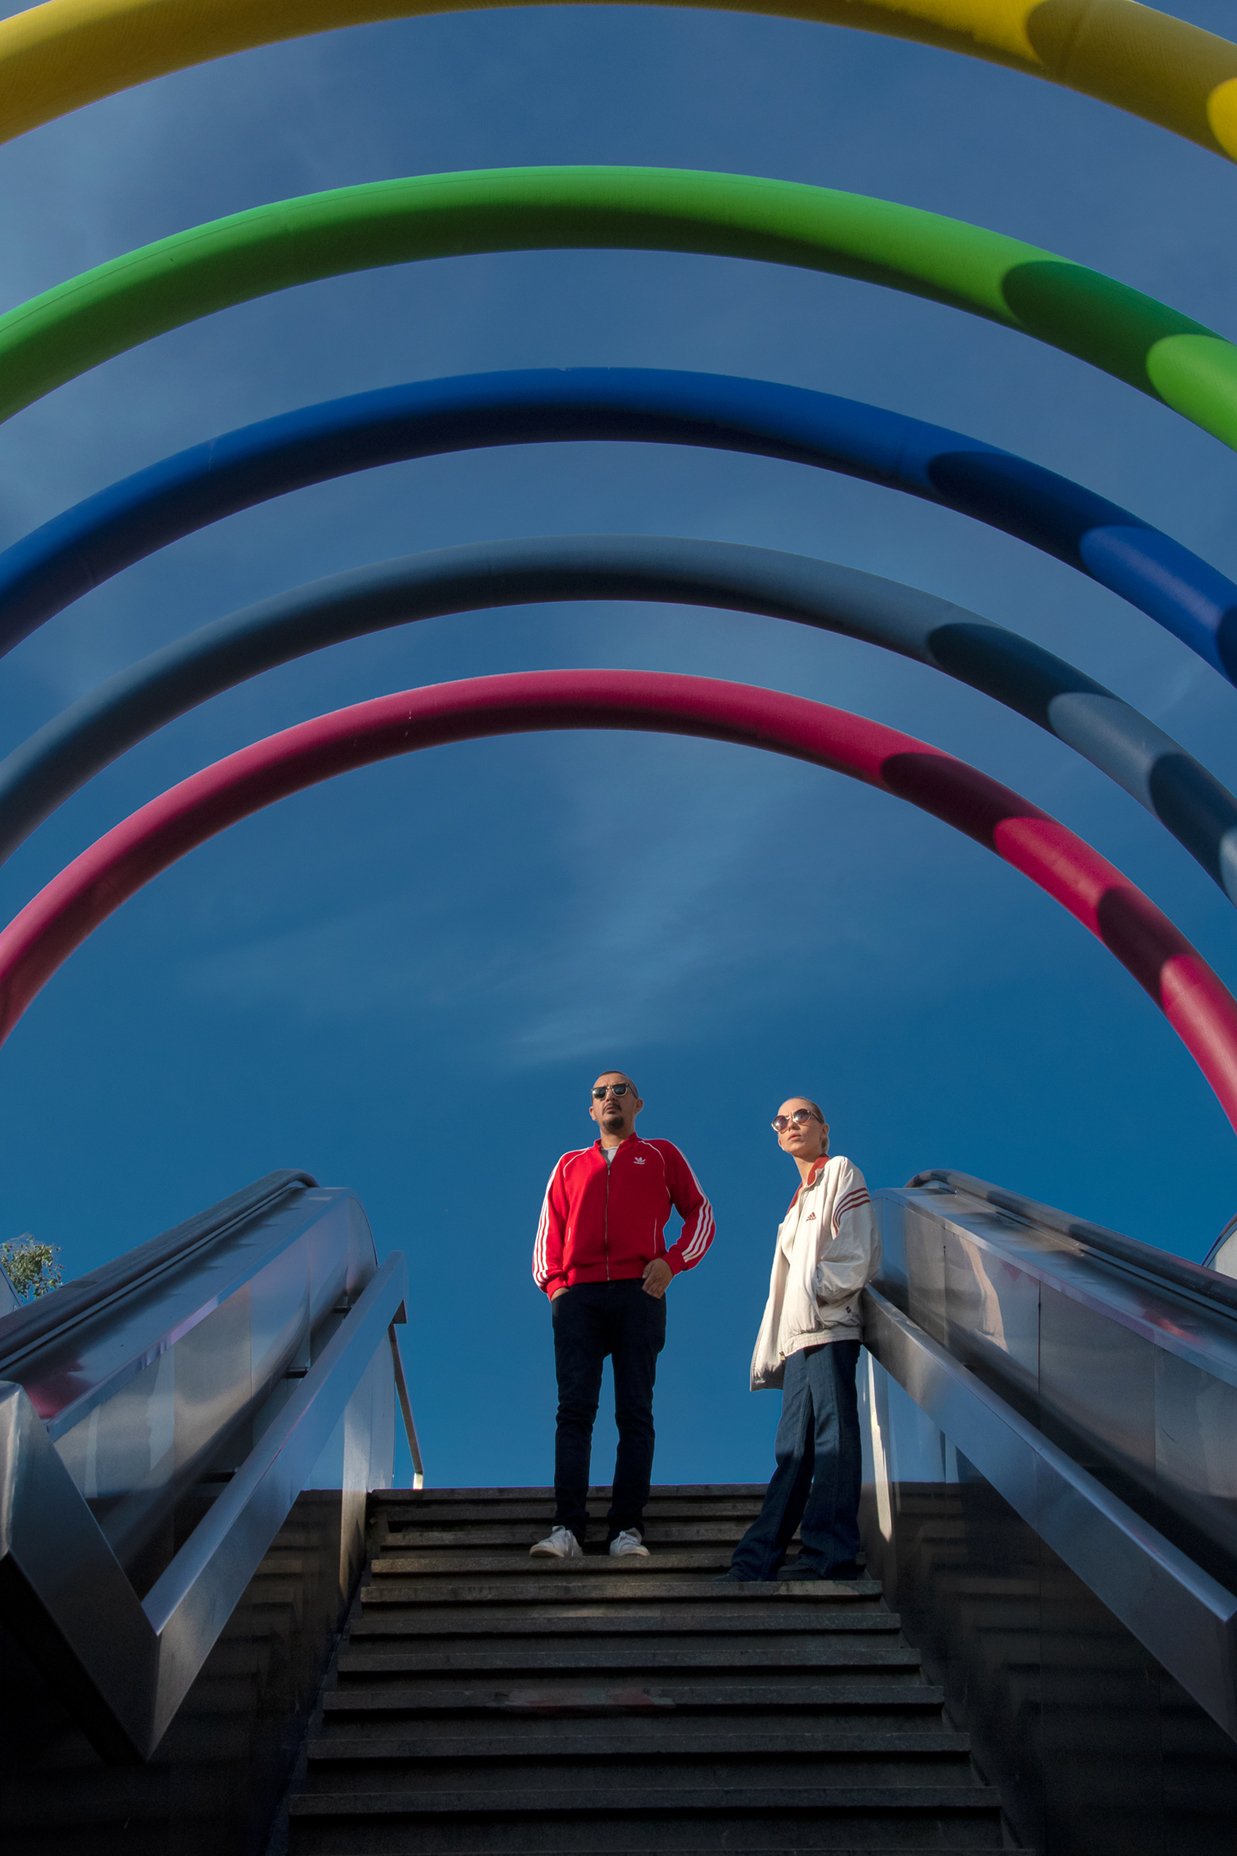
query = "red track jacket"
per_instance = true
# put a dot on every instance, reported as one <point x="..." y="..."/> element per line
<point x="603" y="1223"/>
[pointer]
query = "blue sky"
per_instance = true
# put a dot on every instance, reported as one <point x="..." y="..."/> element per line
<point x="405" y="981"/>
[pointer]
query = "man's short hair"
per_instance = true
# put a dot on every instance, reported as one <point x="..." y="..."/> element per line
<point x="615" y="1071"/>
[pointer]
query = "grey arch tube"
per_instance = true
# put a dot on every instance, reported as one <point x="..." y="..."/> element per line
<point x="1201" y="813"/>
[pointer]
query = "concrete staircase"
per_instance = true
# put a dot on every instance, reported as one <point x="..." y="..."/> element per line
<point x="486" y="1702"/>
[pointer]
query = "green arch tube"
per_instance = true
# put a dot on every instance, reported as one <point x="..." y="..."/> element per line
<point x="56" y="336"/>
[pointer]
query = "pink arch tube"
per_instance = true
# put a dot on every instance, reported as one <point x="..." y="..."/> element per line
<point x="1198" y="1006"/>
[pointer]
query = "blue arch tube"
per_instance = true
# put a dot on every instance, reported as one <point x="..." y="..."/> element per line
<point x="69" y="555"/>
<point x="1151" y="766"/>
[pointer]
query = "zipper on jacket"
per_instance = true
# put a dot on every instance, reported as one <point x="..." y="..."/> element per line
<point x="605" y="1224"/>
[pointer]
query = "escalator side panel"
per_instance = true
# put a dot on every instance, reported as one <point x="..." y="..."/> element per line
<point x="162" y="1395"/>
<point x="1136" y="1383"/>
<point x="216" y="1781"/>
<point x="1132" y="1381"/>
<point x="1096" y="1749"/>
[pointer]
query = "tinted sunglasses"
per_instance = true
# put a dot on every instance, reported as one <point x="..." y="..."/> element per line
<point x="780" y="1123"/>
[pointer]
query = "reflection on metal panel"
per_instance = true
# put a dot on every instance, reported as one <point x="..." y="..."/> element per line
<point x="1177" y="1611"/>
<point x="157" y="1394"/>
<point x="1134" y="1376"/>
<point x="1051" y="1498"/>
<point x="157" y="1442"/>
<point x="1223" y="1255"/>
<point x="214" y="1785"/>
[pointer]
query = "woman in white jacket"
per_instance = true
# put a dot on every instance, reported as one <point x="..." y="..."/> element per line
<point x="827" y="1250"/>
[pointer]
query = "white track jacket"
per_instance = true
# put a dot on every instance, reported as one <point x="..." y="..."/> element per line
<point x="827" y="1251"/>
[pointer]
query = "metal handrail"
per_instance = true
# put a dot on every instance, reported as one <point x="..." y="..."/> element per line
<point x="1218" y="1293"/>
<point x="88" y="1296"/>
<point x="405" y="1405"/>
<point x="125" y="1665"/>
<point x="1184" y="1617"/>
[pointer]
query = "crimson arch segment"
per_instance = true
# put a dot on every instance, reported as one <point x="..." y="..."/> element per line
<point x="177" y="280"/>
<point x="66" y="53"/>
<point x="1129" y="925"/>
<point x="1125" y="745"/>
<point x="76" y="551"/>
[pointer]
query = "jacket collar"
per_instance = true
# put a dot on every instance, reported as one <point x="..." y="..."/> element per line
<point x="818" y="1167"/>
<point x="628" y="1140"/>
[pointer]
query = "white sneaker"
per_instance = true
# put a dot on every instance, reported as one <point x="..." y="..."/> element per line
<point x="559" y="1544"/>
<point x="628" y="1545"/>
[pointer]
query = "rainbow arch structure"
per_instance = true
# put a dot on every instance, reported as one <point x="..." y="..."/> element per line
<point x="67" y="53"/>
<point x="89" y="319"/>
<point x="57" y="54"/>
<point x="75" y="552"/>
<point x="1155" y="769"/>
<point x="59" y="918"/>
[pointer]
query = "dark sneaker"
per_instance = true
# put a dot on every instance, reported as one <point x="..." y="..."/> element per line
<point x="805" y="1569"/>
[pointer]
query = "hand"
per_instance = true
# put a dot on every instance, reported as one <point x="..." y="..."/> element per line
<point x="657" y="1275"/>
<point x="559" y="1292"/>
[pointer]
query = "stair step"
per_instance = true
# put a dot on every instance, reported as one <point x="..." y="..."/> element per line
<point x="427" y="1563"/>
<point x="572" y="1580"/>
<point x="541" y="1510"/>
<point x="496" y="1534"/>
<point x="382" y="1500"/>
<point x="741" y="1817"/>
<point x="575" y="1698"/>
<point x="654" y="1652"/>
<point x="642" y="1802"/>
<point x="640" y="1735"/>
<point x="766" y="1621"/>
<point x="482" y="1779"/>
<point x="489" y="1704"/>
<point x="839" y="1836"/>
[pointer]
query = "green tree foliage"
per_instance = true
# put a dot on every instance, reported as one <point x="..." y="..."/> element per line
<point x="31" y="1267"/>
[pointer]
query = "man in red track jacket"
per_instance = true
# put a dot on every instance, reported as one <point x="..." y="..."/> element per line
<point x="602" y="1259"/>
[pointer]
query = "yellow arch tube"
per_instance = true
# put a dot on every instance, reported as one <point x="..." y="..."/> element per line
<point x="67" y="53"/>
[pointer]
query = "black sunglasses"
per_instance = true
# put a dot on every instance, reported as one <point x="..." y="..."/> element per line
<point x="610" y="1089"/>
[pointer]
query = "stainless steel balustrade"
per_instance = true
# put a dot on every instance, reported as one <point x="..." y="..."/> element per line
<point x="1159" y="1267"/>
<point x="1186" y="1619"/>
<point x="158" y="1422"/>
<point x="1051" y="1500"/>
<point x="1120" y="1354"/>
<point x="1222" y="1257"/>
<point x="87" y="1297"/>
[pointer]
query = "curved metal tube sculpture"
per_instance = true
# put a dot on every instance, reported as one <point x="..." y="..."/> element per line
<point x="66" y="53"/>
<point x="73" y="553"/>
<point x="118" y="305"/>
<point x="1125" y="745"/>
<point x="87" y="891"/>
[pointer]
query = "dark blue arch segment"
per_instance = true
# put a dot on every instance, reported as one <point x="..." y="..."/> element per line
<point x="64" y="559"/>
<point x="1155" y="769"/>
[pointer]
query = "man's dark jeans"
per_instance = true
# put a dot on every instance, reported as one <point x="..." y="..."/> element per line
<point x="590" y="1321"/>
<point x="815" y="1486"/>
